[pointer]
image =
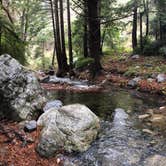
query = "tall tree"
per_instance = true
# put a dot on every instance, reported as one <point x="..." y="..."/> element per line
<point x="94" y="34"/>
<point x="69" y="36"/>
<point x="85" y="37"/>
<point x="54" y="30"/>
<point x="141" y="33"/>
<point x="63" y="48"/>
<point x="134" y="30"/>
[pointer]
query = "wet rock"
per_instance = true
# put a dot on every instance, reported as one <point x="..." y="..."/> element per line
<point x="148" y="131"/>
<point x="150" y="80"/>
<point x="154" y="75"/>
<point x="72" y="128"/>
<point x="155" y="160"/>
<point x="30" y="126"/>
<point x="56" y="104"/>
<point x="158" y="118"/>
<point x="142" y="117"/>
<point x="134" y="82"/>
<point x="150" y="112"/>
<point x="163" y="108"/>
<point x="44" y="79"/>
<point x="148" y="65"/>
<point x="120" y="117"/>
<point x="161" y="78"/>
<point x="135" y="57"/>
<point x="137" y="67"/>
<point x="20" y="92"/>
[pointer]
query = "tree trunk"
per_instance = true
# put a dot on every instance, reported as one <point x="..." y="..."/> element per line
<point x="103" y="38"/>
<point x="134" y="31"/>
<point x="94" y="34"/>
<point x="85" y="39"/>
<point x="69" y="36"/>
<point x="147" y="18"/>
<point x="54" y="31"/>
<point x="0" y="40"/>
<point x="63" y="48"/>
<point x="160" y="29"/>
<point x="22" y="24"/>
<point x="58" y="46"/>
<point x="141" y="35"/>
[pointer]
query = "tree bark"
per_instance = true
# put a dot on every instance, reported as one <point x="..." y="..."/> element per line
<point x="54" y="31"/>
<point x="147" y="18"/>
<point x="94" y="34"/>
<point x="141" y="35"/>
<point x="63" y="48"/>
<point x="58" y="46"/>
<point x="134" y="31"/>
<point x="69" y="36"/>
<point x="85" y="38"/>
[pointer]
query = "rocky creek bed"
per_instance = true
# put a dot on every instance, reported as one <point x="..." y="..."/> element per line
<point x="124" y="139"/>
<point x="124" y="133"/>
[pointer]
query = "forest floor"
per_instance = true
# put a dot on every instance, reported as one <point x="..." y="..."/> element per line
<point x="17" y="148"/>
<point x="138" y="73"/>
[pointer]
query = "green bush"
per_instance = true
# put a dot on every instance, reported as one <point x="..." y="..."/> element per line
<point x="83" y="62"/>
<point x="10" y="42"/>
<point x="162" y="51"/>
<point x="153" y="47"/>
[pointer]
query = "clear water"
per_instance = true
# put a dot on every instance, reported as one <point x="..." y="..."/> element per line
<point x="121" y="141"/>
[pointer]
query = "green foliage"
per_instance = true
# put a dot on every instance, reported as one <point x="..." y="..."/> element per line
<point x="10" y="42"/>
<point x="83" y="62"/>
<point x="78" y="32"/>
<point x="162" y="51"/>
<point x="42" y="63"/>
<point x="152" y="48"/>
<point x="132" y="71"/>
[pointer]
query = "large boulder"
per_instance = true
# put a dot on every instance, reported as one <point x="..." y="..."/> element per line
<point x="71" y="128"/>
<point x="21" y="95"/>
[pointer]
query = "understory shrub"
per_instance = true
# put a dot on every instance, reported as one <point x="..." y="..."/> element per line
<point x="83" y="62"/>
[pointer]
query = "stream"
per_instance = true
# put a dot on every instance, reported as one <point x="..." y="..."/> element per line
<point x="121" y="141"/>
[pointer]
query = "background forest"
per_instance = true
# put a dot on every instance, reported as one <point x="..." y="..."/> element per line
<point x="71" y="34"/>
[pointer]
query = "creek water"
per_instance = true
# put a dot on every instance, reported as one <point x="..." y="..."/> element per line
<point x="121" y="141"/>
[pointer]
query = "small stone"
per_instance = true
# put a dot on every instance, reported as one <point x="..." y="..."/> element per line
<point x="56" y="104"/>
<point x="162" y="108"/>
<point x="44" y="79"/>
<point x="58" y="161"/>
<point x="150" y="79"/>
<point x="154" y="75"/>
<point x="137" y="67"/>
<point x="157" y="118"/>
<point x="161" y="78"/>
<point x="150" y="111"/>
<point x="148" y="65"/>
<point x="148" y="131"/>
<point x="30" y="126"/>
<point x="137" y="79"/>
<point x="135" y="57"/>
<point x="132" y="83"/>
<point x="142" y="117"/>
